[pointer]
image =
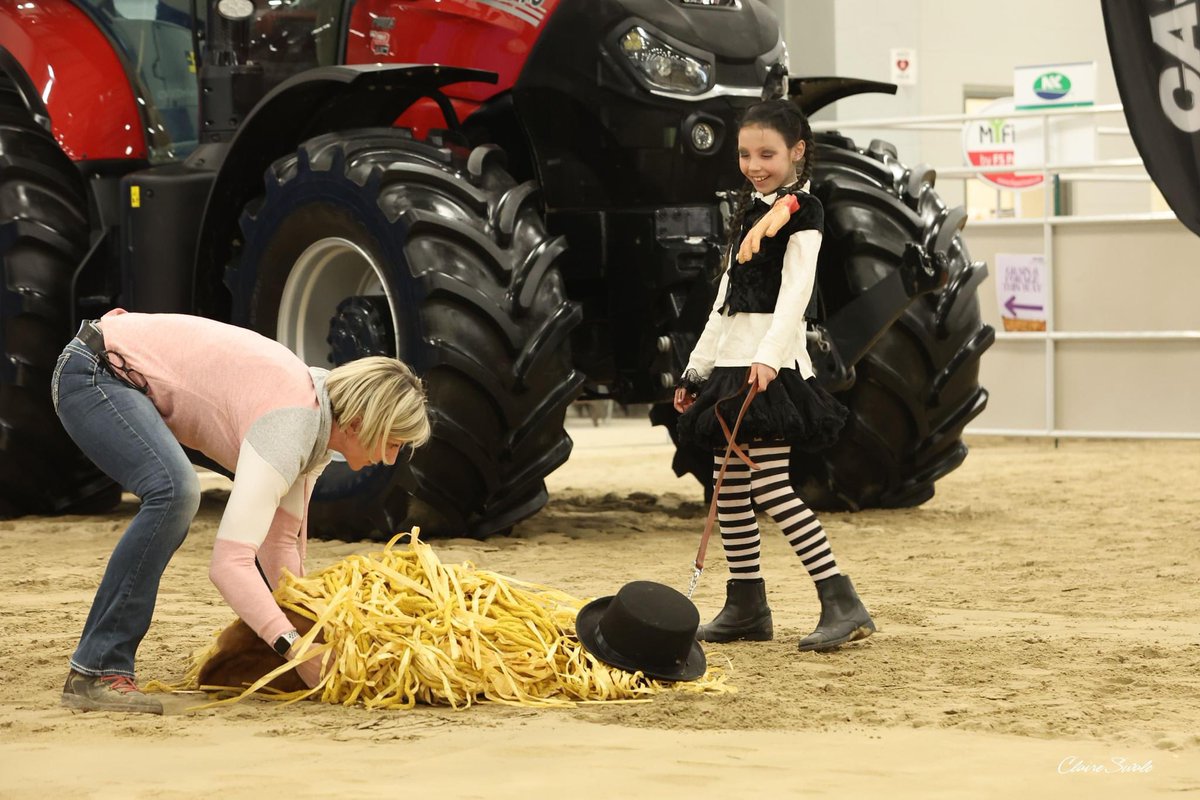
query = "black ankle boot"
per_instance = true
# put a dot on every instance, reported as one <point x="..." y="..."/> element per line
<point x="746" y="615"/>
<point x="844" y="618"/>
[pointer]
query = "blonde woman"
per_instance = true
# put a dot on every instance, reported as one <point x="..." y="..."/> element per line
<point x="133" y="390"/>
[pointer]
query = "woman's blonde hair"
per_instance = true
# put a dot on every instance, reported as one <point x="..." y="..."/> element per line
<point x="386" y="395"/>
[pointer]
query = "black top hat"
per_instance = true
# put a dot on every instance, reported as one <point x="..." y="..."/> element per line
<point x="647" y="627"/>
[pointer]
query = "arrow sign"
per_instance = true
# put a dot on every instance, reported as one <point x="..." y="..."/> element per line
<point x="1012" y="305"/>
<point x="1021" y="291"/>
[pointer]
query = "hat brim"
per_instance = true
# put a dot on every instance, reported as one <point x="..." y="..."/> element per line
<point x="587" y="627"/>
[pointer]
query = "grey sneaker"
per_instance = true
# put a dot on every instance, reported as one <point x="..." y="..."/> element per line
<point x="106" y="693"/>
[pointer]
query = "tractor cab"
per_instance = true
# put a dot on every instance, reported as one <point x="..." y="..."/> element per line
<point x="164" y="46"/>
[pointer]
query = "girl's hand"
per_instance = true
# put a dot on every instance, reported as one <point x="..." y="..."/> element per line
<point x="762" y="375"/>
<point x="769" y="225"/>
<point x="683" y="399"/>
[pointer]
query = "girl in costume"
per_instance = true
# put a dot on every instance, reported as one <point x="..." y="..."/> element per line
<point x="756" y="335"/>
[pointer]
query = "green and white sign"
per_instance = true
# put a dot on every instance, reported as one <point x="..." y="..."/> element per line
<point x="1055" y="85"/>
<point x="1046" y="87"/>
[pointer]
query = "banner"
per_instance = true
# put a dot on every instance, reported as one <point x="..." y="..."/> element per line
<point x="1155" y="47"/>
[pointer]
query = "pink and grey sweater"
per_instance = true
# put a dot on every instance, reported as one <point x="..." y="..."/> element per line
<point x="251" y="405"/>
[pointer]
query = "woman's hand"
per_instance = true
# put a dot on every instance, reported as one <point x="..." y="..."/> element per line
<point x="769" y="225"/>
<point x="762" y="375"/>
<point x="683" y="399"/>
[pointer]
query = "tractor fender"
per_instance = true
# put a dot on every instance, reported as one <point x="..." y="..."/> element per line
<point x="71" y="79"/>
<point x="813" y="94"/>
<point x="19" y="78"/>
<point x="316" y="101"/>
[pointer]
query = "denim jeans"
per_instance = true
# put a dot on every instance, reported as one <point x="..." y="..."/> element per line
<point x="119" y="429"/>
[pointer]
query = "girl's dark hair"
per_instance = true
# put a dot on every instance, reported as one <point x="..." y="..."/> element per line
<point x="786" y="118"/>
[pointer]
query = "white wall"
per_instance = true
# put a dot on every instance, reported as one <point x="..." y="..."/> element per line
<point x="867" y="31"/>
<point x="808" y="29"/>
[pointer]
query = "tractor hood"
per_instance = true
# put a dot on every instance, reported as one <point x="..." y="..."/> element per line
<point x="740" y="32"/>
<point x="604" y="133"/>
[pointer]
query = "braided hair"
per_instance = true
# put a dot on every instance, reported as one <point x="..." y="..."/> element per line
<point x="785" y="118"/>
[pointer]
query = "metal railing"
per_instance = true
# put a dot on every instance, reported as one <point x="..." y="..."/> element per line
<point x="1062" y="171"/>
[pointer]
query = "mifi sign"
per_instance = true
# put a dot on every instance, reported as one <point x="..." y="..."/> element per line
<point x="993" y="141"/>
<point x="1175" y="31"/>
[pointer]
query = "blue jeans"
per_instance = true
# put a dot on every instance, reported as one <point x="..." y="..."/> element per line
<point x="119" y="429"/>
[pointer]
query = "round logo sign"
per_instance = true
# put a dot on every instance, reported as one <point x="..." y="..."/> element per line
<point x="1051" y="85"/>
<point x="992" y="142"/>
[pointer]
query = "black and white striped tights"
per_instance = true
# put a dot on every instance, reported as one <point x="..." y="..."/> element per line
<point x="767" y="489"/>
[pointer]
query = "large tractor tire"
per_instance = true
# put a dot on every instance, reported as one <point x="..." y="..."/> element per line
<point x="918" y="386"/>
<point x="43" y="236"/>
<point x="370" y="243"/>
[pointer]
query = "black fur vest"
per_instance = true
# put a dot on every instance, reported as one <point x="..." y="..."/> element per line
<point x="754" y="286"/>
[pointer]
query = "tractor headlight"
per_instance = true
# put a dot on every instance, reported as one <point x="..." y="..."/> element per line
<point x="663" y="66"/>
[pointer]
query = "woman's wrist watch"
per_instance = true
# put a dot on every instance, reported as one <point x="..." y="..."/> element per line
<point x="285" y="642"/>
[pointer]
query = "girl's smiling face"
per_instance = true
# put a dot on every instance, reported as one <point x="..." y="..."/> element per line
<point x="765" y="159"/>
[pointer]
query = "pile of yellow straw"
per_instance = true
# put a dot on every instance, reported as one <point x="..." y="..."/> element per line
<point x="401" y="628"/>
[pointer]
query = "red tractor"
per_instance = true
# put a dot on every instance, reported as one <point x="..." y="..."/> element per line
<point x="518" y="197"/>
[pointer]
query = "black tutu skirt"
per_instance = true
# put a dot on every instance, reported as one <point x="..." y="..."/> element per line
<point x="792" y="410"/>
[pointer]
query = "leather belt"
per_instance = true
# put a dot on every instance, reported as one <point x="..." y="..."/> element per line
<point x="91" y="336"/>
<point x="93" y="339"/>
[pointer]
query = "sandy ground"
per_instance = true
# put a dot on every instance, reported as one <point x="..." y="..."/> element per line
<point x="1038" y="634"/>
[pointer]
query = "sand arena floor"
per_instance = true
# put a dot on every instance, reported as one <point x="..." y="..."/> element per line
<point x="1038" y="634"/>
